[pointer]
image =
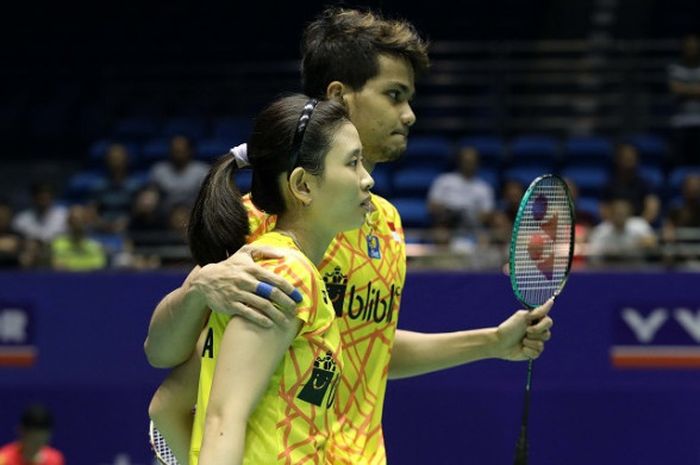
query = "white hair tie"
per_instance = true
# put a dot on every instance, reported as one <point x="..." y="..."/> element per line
<point x="240" y="154"/>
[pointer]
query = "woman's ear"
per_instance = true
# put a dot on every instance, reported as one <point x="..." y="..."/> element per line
<point x="299" y="186"/>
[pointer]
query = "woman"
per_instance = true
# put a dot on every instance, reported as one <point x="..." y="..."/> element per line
<point x="265" y="394"/>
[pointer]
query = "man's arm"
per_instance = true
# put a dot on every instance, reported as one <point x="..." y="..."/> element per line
<point x="227" y="287"/>
<point x="520" y="337"/>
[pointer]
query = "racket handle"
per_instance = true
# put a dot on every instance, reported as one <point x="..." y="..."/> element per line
<point x="521" y="447"/>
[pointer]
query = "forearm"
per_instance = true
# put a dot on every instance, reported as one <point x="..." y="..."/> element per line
<point x="175" y="326"/>
<point x="419" y="353"/>
<point x="224" y="439"/>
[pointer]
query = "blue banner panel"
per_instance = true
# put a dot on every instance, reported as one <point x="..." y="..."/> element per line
<point x="592" y="400"/>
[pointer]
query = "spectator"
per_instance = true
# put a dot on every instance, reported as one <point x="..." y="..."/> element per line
<point x="44" y="220"/>
<point x="75" y="251"/>
<point x="31" y="448"/>
<point x="584" y="222"/>
<point x="622" y="237"/>
<point x="460" y="201"/>
<point x="685" y="215"/>
<point x="504" y="216"/>
<point x="146" y="227"/>
<point x="626" y="183"/>
<point x="113" y="198"/>
<point x="180" y="177"/>
<point x="10" y="241"/>
<point x="684" y="81"/>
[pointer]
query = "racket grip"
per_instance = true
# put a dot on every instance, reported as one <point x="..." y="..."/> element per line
<point x="521" y="447"/>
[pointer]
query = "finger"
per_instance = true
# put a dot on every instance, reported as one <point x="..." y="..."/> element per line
<point x="259" y="252"/>
<point x="541" y="311"/>
<point x="265" y="307"/>
<point x="531" y="353"/>
<point x="533" y="345"/>
<point x="541" y="336"/>
<point x="284" y="302"/>
<point x="261" y="274"/>
<point x="541" y="326"/>
<point x="249" y="314"/>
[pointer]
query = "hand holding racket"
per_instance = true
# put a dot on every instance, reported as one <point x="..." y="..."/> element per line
<point x="541" y="249"/>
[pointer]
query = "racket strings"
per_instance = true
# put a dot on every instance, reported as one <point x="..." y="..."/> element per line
<point x="160" y="447"/>
<point x="543" y="242"/>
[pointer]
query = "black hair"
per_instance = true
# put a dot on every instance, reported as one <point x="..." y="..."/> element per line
<point x="36" y="417"/>
<point x="344" y="45"/>
<point x="218" y="224"/>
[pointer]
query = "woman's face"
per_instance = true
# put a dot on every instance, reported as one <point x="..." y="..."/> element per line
<point x="340" y="196"/>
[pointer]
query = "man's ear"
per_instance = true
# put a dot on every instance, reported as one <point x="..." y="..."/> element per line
<point x="335" y="91"/>
<point x="299" y="186"/>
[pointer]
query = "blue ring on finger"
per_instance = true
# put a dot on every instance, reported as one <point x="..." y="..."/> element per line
<point x="264" y="290"/>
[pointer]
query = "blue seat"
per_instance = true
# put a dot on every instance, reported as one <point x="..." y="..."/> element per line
<point x="413" y="211"/>
<point x="382" y="181"/>
<point x="533" y="150"/>
<point x="653" y="149"/>
<point x="235" y="130"/>
<point x="590" y="181"/>
<point x="192" y="128"/>
<point x="82" y="184"/>
<point x="524" y="175"/>
<point x="588" y="151"/>
<point x="653" y="176"/>
<point x="155" y="150"/>
<point x="137" y="127"/>
<point x="414" y="181"/>
<point x="491" y="149"/>
<point x="244" y="180"/>
<point x="677" y="176"/>
<point x="425" y="151"/>
<point x="211" y="149"/>
<point x="589" y="206"/>
<point x="490" y="176"/>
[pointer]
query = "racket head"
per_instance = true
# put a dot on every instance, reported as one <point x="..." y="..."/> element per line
<point x="160" y="446"/>
<point x="542" y="242"/>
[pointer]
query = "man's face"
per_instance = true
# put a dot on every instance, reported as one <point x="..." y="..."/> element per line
<point x="468" y="162"/>
<point x="381" y="110"/>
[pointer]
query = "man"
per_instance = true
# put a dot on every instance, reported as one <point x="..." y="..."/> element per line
<point x="32" y="446"/>
<point x="461" y="202"/>
<point x="369" y="64"/>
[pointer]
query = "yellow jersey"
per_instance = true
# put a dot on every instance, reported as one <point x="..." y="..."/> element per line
<point x="293" y="420"/>
<point x="364" y="271"/>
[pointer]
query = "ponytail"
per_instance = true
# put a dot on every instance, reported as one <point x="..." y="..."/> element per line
<point x="218" y="224"/>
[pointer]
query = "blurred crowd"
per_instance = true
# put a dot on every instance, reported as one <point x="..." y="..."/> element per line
<point x="136" y="218"/>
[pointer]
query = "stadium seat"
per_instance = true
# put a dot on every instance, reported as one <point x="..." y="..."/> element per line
<point x="590" y="181"/>
<point x="414" y="181"/>
<point x="193" y="128"/>
<point x="382" y="181"/>
<point x="588" y="205"/>
<point x="139" y="127"/>
<point x="677" y="176"/>
<point x="524" y="175"/>
<point x="81" y="184"/>
<point x="244" y="180"/>
<point x="588" y="151"/>
<point x="653" y="149"/>
<point x="652" y="175"/>
<point x="413" y="211"/>
<point x="533" y="150"/>
<point x="435" y="152"/>
<point x="211" y="149"/>
<point x="234" y="130"/>
<point x="155" y="150"/>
